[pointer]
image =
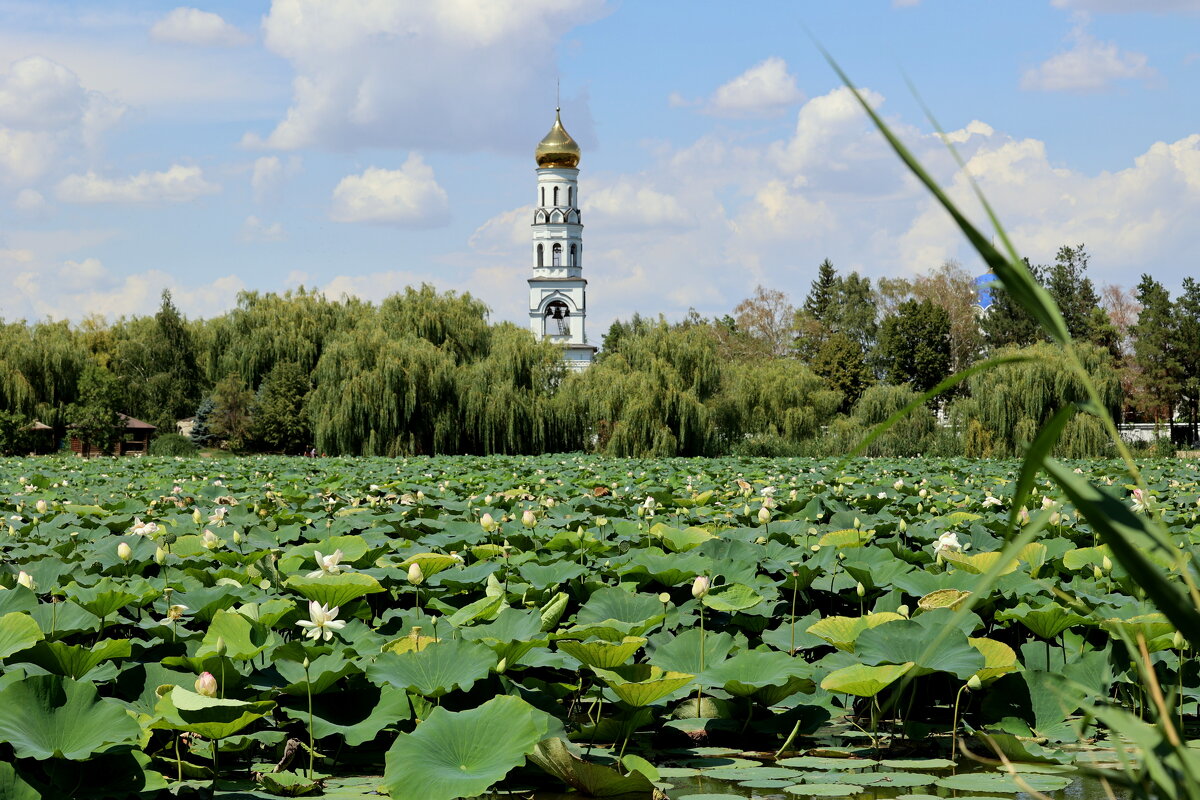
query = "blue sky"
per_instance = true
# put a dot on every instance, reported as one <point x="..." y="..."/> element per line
<point x="357" y="146"/>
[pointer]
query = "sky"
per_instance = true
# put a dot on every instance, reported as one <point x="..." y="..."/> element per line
<point x="360" y="146"/>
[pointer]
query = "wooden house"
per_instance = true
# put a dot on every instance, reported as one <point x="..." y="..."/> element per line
<point x="133" y="438"/>
<point x="41" y="438"/>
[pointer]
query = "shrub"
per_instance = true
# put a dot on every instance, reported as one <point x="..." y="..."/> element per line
<point x="172" y="444"/>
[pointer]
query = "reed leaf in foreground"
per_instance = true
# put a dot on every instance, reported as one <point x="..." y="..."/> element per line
<point x="1165" y="760"/>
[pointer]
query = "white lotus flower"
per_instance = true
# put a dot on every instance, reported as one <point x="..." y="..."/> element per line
<point x="124" y="552"/>
<point x="948" y="541"/>
<point x="1139" y="500"/>
<point x="528" y="519"/>
<point x="992" y="500"/>
<point x="26" y="580"/>
<point x="209" y="540"/>
<point x="327" y="565"/>
<point x="175" y="612"/>
<point x="415" y="575"/>
<point x="143" y="528"/>
<point x="322" y="621"/>
<point x="700" y="586"/>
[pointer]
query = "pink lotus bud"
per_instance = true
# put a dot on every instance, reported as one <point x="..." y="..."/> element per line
<point x="206" y="684"/>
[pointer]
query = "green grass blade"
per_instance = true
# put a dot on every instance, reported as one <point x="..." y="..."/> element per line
<point x="1121" y="530"/>
<point x="1017" y="280"/>
<point x="1035" y="457"/>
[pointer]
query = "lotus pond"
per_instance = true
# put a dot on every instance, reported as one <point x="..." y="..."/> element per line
<point x="444" y="627"/>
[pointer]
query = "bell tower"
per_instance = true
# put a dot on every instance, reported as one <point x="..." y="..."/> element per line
<point x="558" y="290"/>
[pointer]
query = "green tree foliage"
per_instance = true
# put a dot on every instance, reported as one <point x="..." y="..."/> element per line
<point x="648" y="397"/>
<point x="93" y="418"/>
<point x="1156" y="349"/>
<point x="842" y="363"/>
<point x="230" y="420"/>
<point x="1070" y="287"/>
<point x="914" y="345"/>
<point x="768" y="319"/>
<point x="1187" y="312"/>
<point x="279" y="423"/>
<point x="778" y="399"/>
<point x="1010" y="403"/>
<point x="155" y="358"/>
<point x="1006" y="323"/>
<point x="821" y="294"/>
<point x="14" y="433"/>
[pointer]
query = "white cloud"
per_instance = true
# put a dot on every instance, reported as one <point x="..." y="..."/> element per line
<point x="352" y="61"/>
<point x="409" y="197"/>
<point x="192" y="26"/>
<point x="177" y="184"/>
<point x="269" y="175"/>
<point x="376" y="285"/>
<point x="30" y="201"/>
<point x="255" y="230"/>
<point x="630" y="203"/>
<point x="766" y="89"/>
<point x="45" y="112"/>
<point x="85" y="286"/>
<point x="1088" y="66"/>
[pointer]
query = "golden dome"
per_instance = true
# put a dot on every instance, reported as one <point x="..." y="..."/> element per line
<point x="557" y="149"/>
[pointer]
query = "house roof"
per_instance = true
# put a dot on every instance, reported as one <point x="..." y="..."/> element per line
<point x="38" y="425"/>
<point x="135" y="424"/>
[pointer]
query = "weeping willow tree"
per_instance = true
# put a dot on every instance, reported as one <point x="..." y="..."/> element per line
<point x="40" y="366"/>
<point x="378" y="393"/>
<point x="1010" y="404"/>
<point x="508" y="400"/>
<point x="777" y="399"/>
<point x="452" y="322"/>
<point x="647" y="398"/>
<point x="267" y="329"/>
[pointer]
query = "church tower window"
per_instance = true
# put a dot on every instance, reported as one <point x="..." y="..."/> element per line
<point x="556" y="255"/>
<point x="541" y="256"/>
<point x="555" y="195"/>
<point x="570" y="195"/>
<point x="574" y="260"/>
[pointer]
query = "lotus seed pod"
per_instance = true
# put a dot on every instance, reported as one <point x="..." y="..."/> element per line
<point x="974" y="684"/>
<point x="415" y="575"/>
<point x="528" y="519"/>
<point x="903" y="611"/>
<point x="124" y="552"/>
<point x="206" y="685"/>
<point x="664" y="598"/>
<point x="816" y="548"/>
<point x="168" y="539"/>
<point x="26" y="580"/>
<point x="700" y="586"/>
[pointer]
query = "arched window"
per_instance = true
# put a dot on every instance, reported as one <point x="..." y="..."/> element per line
<point x="570" y="195"/>
<point x="543" y="195"/>
<point x="556" y="255"/>
<point x="574" y="261"/>
<point x="541" y="256"/>
<point x="557" y="319"/>
<point x="556" y="195"/>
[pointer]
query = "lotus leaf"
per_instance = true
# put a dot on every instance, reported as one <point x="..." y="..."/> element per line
<point x="610" y="604"/>
<point x="1046" y="621"/>
<point x="850" y="537"/>
<point x="559" y="759"/>
<point x="430" y="563"/>
<point x="943" y="598"/>
<point x="242" y="639"/>
<point x="47" y="716"/>
<point x="929" y="648"/>
<point x="334" y="590"/>
<point x="682" y="653"/>
<point x="766" y="675"/>
<point x="103" y="599"/>
<point x="435" y="671"/>
<point x="732" y="597"/>
<point x="824" y="790"/>
<point x="75" y="661"/>
<point x="329" y="713"/>
<point x="999" y="658"/>
<point x="979" y="563"/>
<point x="13" y="787"/>
<point x="998" y="782"/>
<point x="843" y="632"/>
<point x="452" y="755"/>
<point x="288" y="784"/>
<point x="18" y="631"/>
<point x="642" y="684"/>
<point x="183" y="710"/>
<point x="864" y="681"/>
<point x="602" y="654"/>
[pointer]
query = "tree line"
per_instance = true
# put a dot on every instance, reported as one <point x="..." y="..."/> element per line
<point x="425" y="372"/>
